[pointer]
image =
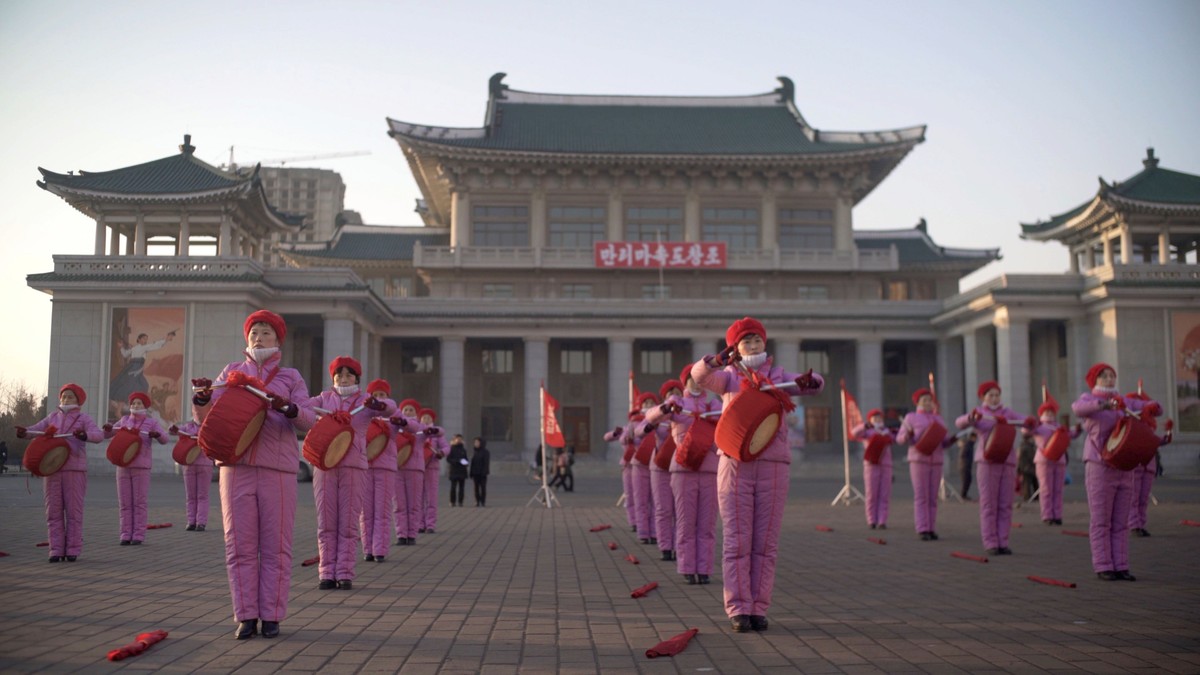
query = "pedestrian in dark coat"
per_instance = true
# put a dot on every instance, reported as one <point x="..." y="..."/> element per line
<point x="457" y="459"/>
<point x="480" y="468"/>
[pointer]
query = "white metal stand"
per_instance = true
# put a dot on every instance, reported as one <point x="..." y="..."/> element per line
<point x="848" y="494"/>
<point x="544" y="494"/>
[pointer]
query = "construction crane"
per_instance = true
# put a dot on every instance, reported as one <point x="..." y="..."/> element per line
<point x="284" y="161"/>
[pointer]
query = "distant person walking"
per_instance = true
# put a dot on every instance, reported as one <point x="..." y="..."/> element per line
<point x="480" y="468"/>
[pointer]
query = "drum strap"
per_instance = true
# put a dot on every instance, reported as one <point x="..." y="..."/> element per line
<point x="758" y="381"/>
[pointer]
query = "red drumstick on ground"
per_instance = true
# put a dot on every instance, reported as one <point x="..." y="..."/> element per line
<point x="673" y="646"/>
<point x="639" y="592"/>
<point x="1050" y="582"/>
<point x="44" y="543"/>
<point x="599" y="528"/>
<point x="968" y="556"/>
<point x="1190" y="523"/>
<point x="877" y="540"/>
<point x="1074" y="533"/>
<point x="631" y="558"/>
<point x="3" y="554"/>
<point x="823" y="528"/>
<point x="141" y="644"/>
<point x="311" y="561"/>
<point x="159" y="526"/>
<point x="612" y="545"/>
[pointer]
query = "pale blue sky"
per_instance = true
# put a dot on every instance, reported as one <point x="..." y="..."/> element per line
<point x="1026" y="102"/>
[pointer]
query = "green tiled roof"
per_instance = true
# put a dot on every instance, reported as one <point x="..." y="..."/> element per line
<point x="915" y="248"/>
<point x="176" y="174"/>
<point x="349" y="245"/>
<point x="1055" y="221"/>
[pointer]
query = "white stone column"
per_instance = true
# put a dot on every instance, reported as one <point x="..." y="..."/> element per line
<point x="869" y="388"/>
<point x="99" y="248"/>
<point x="537" y="361"/>
<point x="691" y="216"/>
<point x="949" y="372"/>
<point x="139" y="235"/>
<point x="1079" y="354"/>
<point x="114" y="240"/>
<point x="616" y="216"/>
<point x="339" y="340"/>
<point x="620" y="362"/>
<point x="537" y="219"/>
<point x="1126" y="246"/>
<point x="363" y="353"/>
<point x="1164" y="247"/>
<point x="460" y="219"/>
<point x="225" y="240"/>
<point x="452" y="417"/>
<point x="185" y="236"/>
<point x="786" y="354"/>
<point x="843" y="232"/>
<point x="702" y="348"/>
<point x="971" y="377"/>
<point x="1012" y="361"/>
<point x="1106" y="245"/>
<point x="770" y="223"/>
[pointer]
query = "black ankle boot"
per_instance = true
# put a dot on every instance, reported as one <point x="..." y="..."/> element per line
<point x="247" y="629"/>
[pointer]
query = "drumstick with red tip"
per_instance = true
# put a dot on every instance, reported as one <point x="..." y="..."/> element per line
<point x="968" y="556"/>
<point x="632" y="558"/>
<point x="639" y="592"/>
<point x="219" y="385"/>
<point x="877" y="540"/>
<point x="824" y="528"/>
<point x="1050" y="582"/>
<point x="1190" y="523"/>
<point x="42" y="433"/>
<point x="311" y="561"/>
<point x="1075" y="533"/>
<point x="600" y="528"/>
<point x="612" y="545"/>
<point x="323" y="411"/>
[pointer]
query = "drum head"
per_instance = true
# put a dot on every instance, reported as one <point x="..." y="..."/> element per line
<point x="403" y="453"/>
<point x="45" y="456"/>
<point x="338" y="447"/>
<point x="764" y="433"/>
<point x="375" y="446"/>
<point x="250" y="433"/>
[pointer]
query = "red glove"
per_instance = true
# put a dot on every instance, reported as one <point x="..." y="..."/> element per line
<point x="202" y="383"/>
<point x="154" y="434"/>
<point x="80" y="434"/>
<point x="399" y="421"/>
<point x="432" y="431"/>
<point x="973" y="417"/>
<point x="1031" y="422"/>
<point x="20" y="432"/>
<point x="1153" y="409"/>
<point x="107" y="427"/>
<point x="807" y="381"/>
<point x="374" y="403"/>
<point x="174" y="430"/>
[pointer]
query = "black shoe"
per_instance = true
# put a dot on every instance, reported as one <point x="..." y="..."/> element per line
<point x="247" y="629"/>
<point x="690" y="579"/>
<point x="327" y="585"/>
<point x="270" y="629"/>
<point x="702" y="579"/>
<point x="758" y="623"/>
<point x="125" y="542"/>
<point x="992" y="551"/>
<point x="1141" y="532"/>
<point x="925" y="536"/>
<point x="645" y="540"/>
<point x="369" y="558"/>
<point x="1004" y="550"/>
<point x="933" y="536"/>
<point x="412" y="541"/>
<point x="200" y="528"/>
<point x="872" y="526"/>
<point x="740" y="623"/>
<point x="1124" y="575"/>
<point x="72" y="558"/>
<point x="345" y="585"/>
<point x="54" y="558"/>
<point x="666" y="556"/>
<point x="653" y="540"/>
<point x="190" y="528"/>
<point x="136" y="542"/>
<point x="378" y="558"/>
<point x="421" y="531"/>
<point x="1109" y="575"/>
<point x="399" y="541"/>
<point x="633" y="528"/>
<point x="883" y="526"/>
<point x="1058" y="521"/>
<point x="429" y="530"/>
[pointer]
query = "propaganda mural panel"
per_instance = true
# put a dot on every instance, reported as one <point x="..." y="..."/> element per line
<point x="147" y="355"/>
<point x="1185" y="353"/>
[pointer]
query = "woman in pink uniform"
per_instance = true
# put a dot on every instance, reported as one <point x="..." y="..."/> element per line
<point x="410" y="479"/>
<point x="996" y="477"/>
<point x="877" y="474"/>
<point x="693" y="487"/>
<point x="642" y="489"/>
<point x="751" y="495"/>
<point x="338" y="491"/>
<point x="924" y="468"/>
<point x="619" y="435"/>
<point x="1109" y="489"/>
<point x="660" y="479"/>
<point x="197" y="477"/>
<point x="258" y="493"/>
<point x="133" y="481"/>
<point x="435" y="449"/>
<point x="1144" y="475"/>
<point x="64" y="490"/>
<point x="379" y="490"/>
<point x="1050" y="473"/>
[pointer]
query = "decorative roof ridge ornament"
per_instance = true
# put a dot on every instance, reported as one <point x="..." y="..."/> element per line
<point x="496" y="86"/>
<point x="1151" y="162"/>
<point x="187" y="148"/>
<point x="786" y="90"/>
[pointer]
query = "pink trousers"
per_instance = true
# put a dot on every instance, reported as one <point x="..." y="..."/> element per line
<point x="197" y="478"/>
<point x="926" y="479"/>
<point x="664" y="509"/>
<point x="259" y="509"/>
<point x="408" y="503"/>
<point x="1143" y="481"/>
<point x="133" y="490"/>
<point x="1050" y="489"/>
<point x="630" y="499"/>
<point x="877" y="480"/>
<point x="430" y="495"/>
<point x="379" y="491"/>
<point x="751" y="497"/>
<point x="995" y="502"/>
<point x="695" y="521"/>
<point x="643" y="501"/>
<point x="339" y="508"/>
<point x="64" y="493"/>
<point x="1110" y="494"/>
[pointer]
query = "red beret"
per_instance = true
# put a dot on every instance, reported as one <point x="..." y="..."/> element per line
<point x="686" y="373"/>
<point x="643" y="397"/>
<point x="379" y="385"/>
<point x="1093" y="373"/>
<point x="919" y="393"/>
<point x="986" y="387"/>
<point x="1050" y="406"/>
<point x="78" y="391"/>
<point x="141" y="396"/>
<point x="873" y="412"/>
<point x="409" y="402"/>
<point x="427" y="411"/>
<point x="743" y="327"/>
<point x="271" y="319"/>
<point x="667" y="386"/>
<point x="345" y="362"/>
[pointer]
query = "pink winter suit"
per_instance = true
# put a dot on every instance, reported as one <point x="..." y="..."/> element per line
<point x="996" y="479"/>
<point x="627" y="449"/>
<point x="1109" y="490"/>
<point x="197" y="477"/>
<point x="133" y="481"/>
<point x="642" y="497"/>
<point x="1143" y="481"/>
<point x="877" y="478"/>
<point x="662" y="499"/>
<point x="695" y="492"/>
<point x="338" y="491"/>
<point x="258" y="496"/>
<point x="410" y="482"/>
<point x="65" y="489"/>
<point x="435" y="449"/>
<point x="924" y="470"/>
<point x="751" y="495"/>
<point x="378" y="496"/>
<point x="1050" y="475"/>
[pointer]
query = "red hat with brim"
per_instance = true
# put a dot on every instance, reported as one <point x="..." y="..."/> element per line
<point x="668" y="386"/>
<point x="379" y="385"/>
<point x="80" y="396"/>
<point x="348" y="362"/>
<point x="686" y="373"/>
<point x="427" y="411"/>
<point x="919" y="393"/>
<point x="743" y="327"/>
<point x="1048" y="406"/>
<point x="141" y="396"/>
<point x="645" y="396"/>
<point x="1093" y="373"/>
<point x="272" y="319"/>
<point x="986" y="387"/>
<point x="409" y="402"/>
<point x="873" y="412"/>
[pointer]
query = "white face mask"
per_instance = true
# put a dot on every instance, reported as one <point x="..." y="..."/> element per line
<point x="139" y="413"/>
<point x="260" y="354"/>
<point x="346" y="390"/>
<point x="755" y="360"/>
<point x="1104" y="390"/>
<point x="68" y="407"/>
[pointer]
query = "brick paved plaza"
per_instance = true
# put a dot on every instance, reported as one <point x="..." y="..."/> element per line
<point x="512" y="588"/>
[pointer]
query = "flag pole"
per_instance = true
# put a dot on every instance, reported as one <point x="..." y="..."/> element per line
<point x="946" y="491"/>
<point x="849" y="493"/>
<point x="543" y="495"/>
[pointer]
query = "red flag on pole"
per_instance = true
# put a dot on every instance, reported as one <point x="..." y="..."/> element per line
<point x="853" y="412"/>
<point x="550" y="429"/>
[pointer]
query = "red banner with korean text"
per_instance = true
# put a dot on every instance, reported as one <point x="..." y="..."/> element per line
<point x="854" y="415"/>
<point x="550" y="428"/>
<point x="655" y="254"/>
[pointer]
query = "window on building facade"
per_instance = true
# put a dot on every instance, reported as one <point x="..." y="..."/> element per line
<point x="497" y="361"/>
<point x="922" y="289"/>
<point x="500" y="226"/>
<point x="576" y="226"/>
<point x="737" y="227"/>
<point x="816" y="358"/>
<point x="495" y="422"/>
<point x="812" y="293"/>
<point x="576" y="291"/>
<point x="575" y="361"/>
<point x="497" y="290"/>
<point x="417" y="360"/>
<point x="656" y="361"/>
<point x="805" y="228"/>
<point x="816" y="423"/>
<point x="735" y="292"/>
<point x="895" y="361"/>
<point x="653" y="223"/>
<point x="656" y="292"/>
<point x="895" y="290"/>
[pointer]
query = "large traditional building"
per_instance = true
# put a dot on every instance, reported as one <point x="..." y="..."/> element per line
<point x="574" y="240"/>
